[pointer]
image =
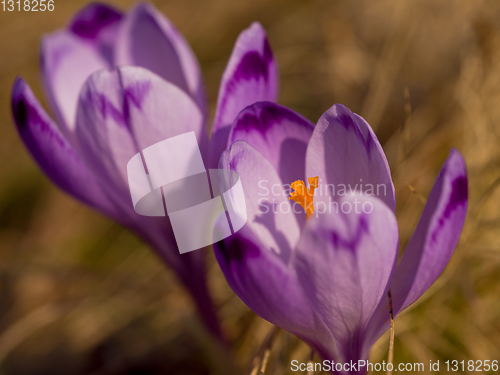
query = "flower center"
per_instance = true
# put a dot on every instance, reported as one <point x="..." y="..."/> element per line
<point x="304" y="196"/>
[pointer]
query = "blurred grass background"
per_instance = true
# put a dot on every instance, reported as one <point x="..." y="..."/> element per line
<point x="80" y="295"/>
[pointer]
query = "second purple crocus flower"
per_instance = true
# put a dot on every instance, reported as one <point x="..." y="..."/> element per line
<point x="118" y="83"/>
<point x="326" y="279"/>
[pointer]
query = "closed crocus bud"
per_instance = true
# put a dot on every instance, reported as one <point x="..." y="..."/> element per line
<point x="118" y="83"/>
<point x="325" y="276"/>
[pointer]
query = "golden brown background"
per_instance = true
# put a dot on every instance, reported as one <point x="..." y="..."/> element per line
<point x="80" y="295"/>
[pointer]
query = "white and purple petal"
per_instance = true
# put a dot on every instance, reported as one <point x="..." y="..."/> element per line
<point x="344" y="263"/>
<point x="123" y="111"/>
<point x="436" y="236"/>
<point x="98" y="23"/>
<point x="251" y="75"/>
<point x="270" y="214"/>
<point x="66" y="62"/>
<point x="262" y="280"/>
<point x="149" y="40"/>
<point x="344" y="150"/>
<point x="53" y="153"/>
<point x="270" y="288"/>
<point x="279" y="134"/>
<point x="431" y="245"/>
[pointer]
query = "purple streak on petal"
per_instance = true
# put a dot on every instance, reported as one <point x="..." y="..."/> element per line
<point x="344" y="263"/>
<point x="136" y="92"/>
<point x="108" y="109"/>
<point x="352" y="124"/>
<point x="104" y="135"/>
<point x="147" y="39"/>
<point x="53" y="153"/>
<point x="279" y="134"/>
<point x="352" y="243"/>
<point x="251" y="75"/>
<point x="93" y="19"/>
<point x="458" y="197"/>
<point x="344" y="150"/>
<point x="132" y="95"/>
<point x="274" y="226"/>
<point x="158" y="110"/>
<point x="436" y="236"/>
<point x="252" y="66"/>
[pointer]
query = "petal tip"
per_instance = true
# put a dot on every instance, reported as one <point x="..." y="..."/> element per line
<point x="338" y="107"/>
<point x="19" y="105"/>
<point x="89" y="21"/>
<point x="343" y="115"/>
<point x="457" y="170"/>
<point x="144" y="8"/>
<point x="457" y="156"/>
<point x="18" y="86"/>
<point x="256" y="27"/>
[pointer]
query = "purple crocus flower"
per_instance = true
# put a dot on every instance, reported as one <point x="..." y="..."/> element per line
<point x="326" y="279"/>
<point x="118" y="83"/>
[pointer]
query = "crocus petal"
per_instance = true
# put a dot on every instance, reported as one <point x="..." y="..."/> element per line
<point x="66" y="62"/>
<point x="344" y="263"/>
<point x="269" y="288"/>
<point x="52" y="151"/>
<point x="279" y="134"/>
<point x="251" y="76"/>
<point x="269" y="212"/>
<point x="147" y="39"/>
<point x="120" y="113"/>
<point x="98" y="23"/>
<point x="436" y="236"/>
<point x="123" y="111"/>
<point x="258" y="276"/>
<point x="431" y="245"/>
<point x="345" y="150"/>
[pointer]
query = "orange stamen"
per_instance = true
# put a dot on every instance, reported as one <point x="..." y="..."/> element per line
<point x="304" y="196"/>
